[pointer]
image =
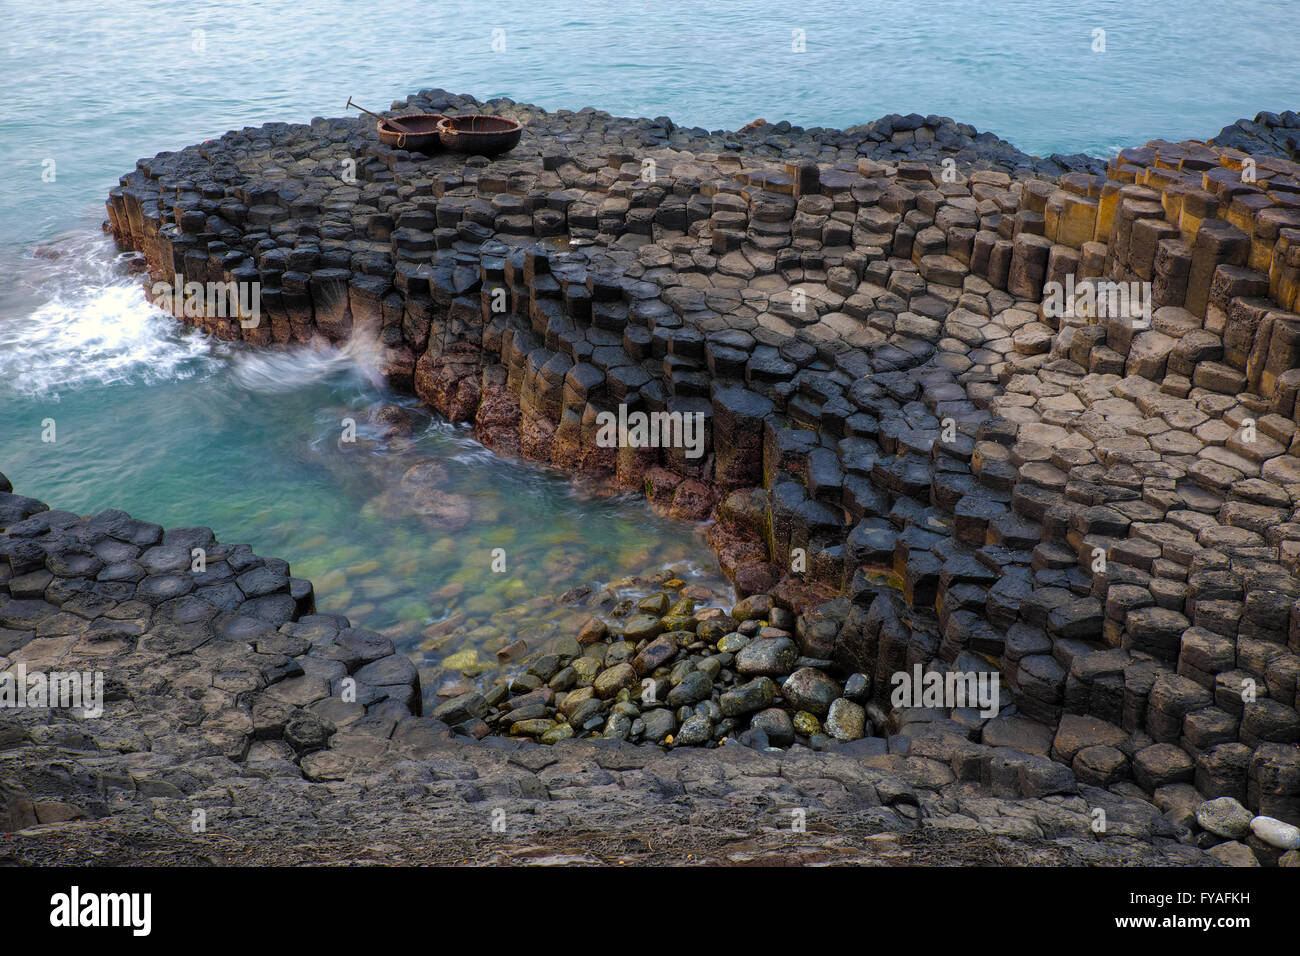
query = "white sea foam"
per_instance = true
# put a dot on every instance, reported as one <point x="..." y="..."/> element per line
<point x="80" y="322"/>
<point x="271" y="371"/>
<point x="75" y="319"/>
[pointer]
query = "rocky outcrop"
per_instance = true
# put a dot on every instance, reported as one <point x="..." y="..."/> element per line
<point x="1268" y="134"/>
<point x="1039" y="428"/>
<point x="238" y="727"/>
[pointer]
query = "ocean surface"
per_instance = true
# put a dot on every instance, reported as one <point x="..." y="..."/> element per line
<point x="182" y="430"/>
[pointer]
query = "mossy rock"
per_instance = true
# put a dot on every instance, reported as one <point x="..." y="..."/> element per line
<point x="733" y="642"/>
<point x="462" y="660"/>
<point x="679" y="622"/>
<point x="806" y="724"/>
<point x="414" y="611"/>
<point x="587" y="668"/>
<point x="682" y="607"/>
<point x="556" y="734"/>
<point x="642" y="627"/>
<point x="657" y="604"/>
<point x="535" y="727"/>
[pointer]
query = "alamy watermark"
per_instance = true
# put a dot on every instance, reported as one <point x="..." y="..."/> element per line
<point x="221" y="300"/>
<point x="76" y="690"/>
<point x="1099" y="299"/>
<point x="74" y="909"/>
<point x="920" y="688"/>
<point x="626" y="429"/>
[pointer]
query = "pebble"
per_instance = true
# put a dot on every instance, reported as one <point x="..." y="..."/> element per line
<point x="693" y="688"/>
<point x="846" y="720"/>
<point x="1224" y="817"/>
<point x="733" y="643"/>
<point x="858" y="688"/>
<point x="659" y="723"/>
<point x="1277" y="834"/>
<point x="806" y="724"/>
<point x="810" y="689"/>
<point x="611" y="680"/>
<point x="770" y="656"/>
<point x="746" y="698"/>
<point x="695" y="731"/>
<point x="776" y="725"/>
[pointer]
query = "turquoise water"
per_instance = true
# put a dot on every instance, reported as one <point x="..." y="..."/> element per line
<point x="125" y="79"/>
<point x="179" y="429"/>
<point x="158" y="420"/>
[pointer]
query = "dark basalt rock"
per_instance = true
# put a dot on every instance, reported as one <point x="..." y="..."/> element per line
<point x="869" y="338"/>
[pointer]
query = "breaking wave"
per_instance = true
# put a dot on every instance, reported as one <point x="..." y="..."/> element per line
<point x="75" y="319"/>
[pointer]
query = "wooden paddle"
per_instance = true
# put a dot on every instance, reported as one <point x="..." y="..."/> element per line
<point x="384" y="119"/>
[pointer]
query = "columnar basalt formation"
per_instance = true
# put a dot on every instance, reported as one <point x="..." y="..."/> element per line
<point x="1268" y="134"/>
<point x="238" y="727"/>
<point x="917" y="373"/>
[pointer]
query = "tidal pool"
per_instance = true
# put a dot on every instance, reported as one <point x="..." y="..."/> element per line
<point x="423" y="534"/>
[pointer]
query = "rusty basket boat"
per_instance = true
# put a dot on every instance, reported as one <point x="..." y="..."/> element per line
<point x="421" y="133"/>
<point x="485" y="135"/>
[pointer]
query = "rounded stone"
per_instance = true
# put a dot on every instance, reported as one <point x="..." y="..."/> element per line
<point x="1224" y="817"/>
<point x="767" y="656"/>
<point x="858" y="688"/>
<point x="846" y="720"/>
<point x="695" y="730"/>
<point x="776" y="724"/>
<point x="659" y="723"/>
<point x="753" y="608"/>
<point x="806" y="724"/>
<point x="613" y="679"/>
<point x="642" y="627"/>
<point x="733" y="643"/>
<point x="1276" y="833"/>
<point x="532" y="727"/>
<point x="618" y="726"/>
<point x="692" y="689"/>
<point x="593" y="630"/>
<point x="712" y="631"/>
<point x="809" y="689"/>
<point x="556" y="734"/>
<point x="746" y="698"/>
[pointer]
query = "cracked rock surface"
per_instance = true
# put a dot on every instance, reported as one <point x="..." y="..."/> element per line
<point x="1029" y="418"/>
<point x="218" y="707"/>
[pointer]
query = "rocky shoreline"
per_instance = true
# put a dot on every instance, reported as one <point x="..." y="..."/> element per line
<point x="226" y="737"/>
<point x="914" y="458"/>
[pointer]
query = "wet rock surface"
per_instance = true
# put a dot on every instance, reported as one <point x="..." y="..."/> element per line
<point x="296" y="737"/>
<point x="1268" y="134"/>
<point x="1029" y="419"/>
